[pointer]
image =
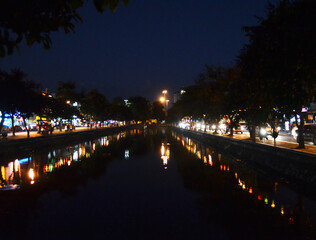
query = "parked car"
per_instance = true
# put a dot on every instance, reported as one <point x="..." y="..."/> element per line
<point x="241" y="128"/>
<point x="45" y="128"/>
<point x="266" y="128"/>
<point x="263" y="131"/>
<point x="309" y="133"/>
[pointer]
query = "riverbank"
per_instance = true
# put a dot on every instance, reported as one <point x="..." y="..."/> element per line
<point x="296" y="167"/>
<point x="22" y="146"/>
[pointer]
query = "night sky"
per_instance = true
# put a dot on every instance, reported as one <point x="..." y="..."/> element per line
<point x="143" y="48"/>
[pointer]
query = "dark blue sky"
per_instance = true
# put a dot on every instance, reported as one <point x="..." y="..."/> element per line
<point x="143" y="48"/>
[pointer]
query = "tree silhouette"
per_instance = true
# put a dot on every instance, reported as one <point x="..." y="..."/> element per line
<point x="158" y="111"/>
<point x="141" y="108"/>
<point x="279" y="62"/>
<point x="34" y="20"/>
<point x="17" y="95"/>
<point x="95" y="105"/>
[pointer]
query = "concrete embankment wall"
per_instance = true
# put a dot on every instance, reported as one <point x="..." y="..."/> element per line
<point x="293" y="165"/>
<point x="21" y="147"/>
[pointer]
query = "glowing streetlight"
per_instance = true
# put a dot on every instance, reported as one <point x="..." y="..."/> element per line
<point x="164" y="99"/>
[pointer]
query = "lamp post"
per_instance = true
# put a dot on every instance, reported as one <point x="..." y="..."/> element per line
<point x="164" y="92"/>
<point x="165" y="101"/>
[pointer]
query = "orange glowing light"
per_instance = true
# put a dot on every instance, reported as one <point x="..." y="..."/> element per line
<point x="250" y="190"/>
<point x="282" y="211"/>
<point x="273" y="204"/>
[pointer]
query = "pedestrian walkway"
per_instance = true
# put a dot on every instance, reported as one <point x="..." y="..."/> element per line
<point x="311" y="149"/>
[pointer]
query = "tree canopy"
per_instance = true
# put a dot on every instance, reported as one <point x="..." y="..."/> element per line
<point x="279" y="65"/>
<point x="18" y="95"/>
<point x="141" y="108"/>
<point x="35" y="20"/>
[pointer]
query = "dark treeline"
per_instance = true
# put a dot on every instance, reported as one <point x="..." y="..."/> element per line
<point x="274" y="75"/>
<point x="20" y="97"/>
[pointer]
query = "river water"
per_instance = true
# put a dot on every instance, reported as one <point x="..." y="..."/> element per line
<point x="151" y="184"/>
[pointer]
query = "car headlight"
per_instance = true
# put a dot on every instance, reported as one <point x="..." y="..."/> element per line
<point x="263" y="131"/>
<point x="222" y="126"/>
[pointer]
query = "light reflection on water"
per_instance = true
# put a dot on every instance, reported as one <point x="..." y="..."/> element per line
<point x="272" y="194"/>
<point x="28" y="170"/>
<point x="276" y="196"/>
<point x="165" y="154"/>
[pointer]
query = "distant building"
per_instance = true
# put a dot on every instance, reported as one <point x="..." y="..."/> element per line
<point x="177" y="95"/>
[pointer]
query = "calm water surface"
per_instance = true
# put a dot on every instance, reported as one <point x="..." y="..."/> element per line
<point x="151" y="184"/>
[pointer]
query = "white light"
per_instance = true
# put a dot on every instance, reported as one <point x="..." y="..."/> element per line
<point x="31" y="174"/>
<point x="126" y="154"/>
<point x="222" y="126"/>
<point x="263" y="131"/>
<point x="76" y="156"/>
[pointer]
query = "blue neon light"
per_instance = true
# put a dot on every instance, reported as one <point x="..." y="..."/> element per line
<point x="24" y="160"/>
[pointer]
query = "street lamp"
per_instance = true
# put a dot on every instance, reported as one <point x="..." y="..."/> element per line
<point x="164" y="99"/>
